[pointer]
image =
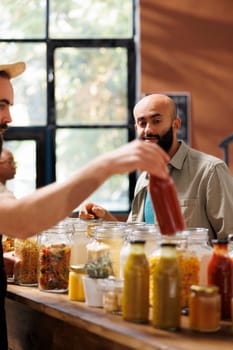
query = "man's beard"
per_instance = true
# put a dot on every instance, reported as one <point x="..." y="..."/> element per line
<point x="1" y="142"/>
<point x="3" y="127"/>
<point x="164" y="141"/>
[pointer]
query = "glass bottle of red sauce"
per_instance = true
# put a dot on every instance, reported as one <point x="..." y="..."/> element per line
<point x="166" y="205"/>
<point x="220" y="274"/>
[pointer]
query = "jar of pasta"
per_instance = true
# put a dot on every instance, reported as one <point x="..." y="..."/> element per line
<point x="54" y="259"/>
<point x="25" y="268"/>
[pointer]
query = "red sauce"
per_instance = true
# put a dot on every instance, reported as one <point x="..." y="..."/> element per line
<point x="166" y="205"/>
<point x="220" y="273"/>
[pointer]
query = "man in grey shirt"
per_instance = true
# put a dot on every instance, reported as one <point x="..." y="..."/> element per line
<point x="204" y="183"/>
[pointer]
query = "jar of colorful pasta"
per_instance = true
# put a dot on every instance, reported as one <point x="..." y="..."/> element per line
<point x="54" y="259"/>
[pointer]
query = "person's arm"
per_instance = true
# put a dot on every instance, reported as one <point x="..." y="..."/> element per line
<point x="46" y="206"/>
<point x="91" y="211"/>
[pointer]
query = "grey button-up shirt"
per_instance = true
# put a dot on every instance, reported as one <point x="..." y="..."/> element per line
<point x="204" y="186"/>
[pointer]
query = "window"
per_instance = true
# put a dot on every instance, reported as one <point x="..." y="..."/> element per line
<point x="76" y="97"/>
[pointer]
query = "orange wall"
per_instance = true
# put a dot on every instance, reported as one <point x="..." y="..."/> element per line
<point x="187" y="45"/>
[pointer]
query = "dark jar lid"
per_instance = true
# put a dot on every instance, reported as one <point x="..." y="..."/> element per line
<point x="137" y="241"/>
<point x="220" y="241"/>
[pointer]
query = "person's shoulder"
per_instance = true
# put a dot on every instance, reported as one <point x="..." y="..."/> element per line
<point x="206" y="158"/>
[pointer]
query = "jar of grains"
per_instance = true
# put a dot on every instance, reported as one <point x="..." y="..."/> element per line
<point x="25" y="268"/>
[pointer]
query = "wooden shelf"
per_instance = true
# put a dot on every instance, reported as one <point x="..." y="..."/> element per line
<point x="40" y="320"/>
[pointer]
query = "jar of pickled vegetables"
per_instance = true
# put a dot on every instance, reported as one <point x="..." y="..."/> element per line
<point x="54" y="259"/>
<point x="110" y="238"/>
<point x="25" y="268"/>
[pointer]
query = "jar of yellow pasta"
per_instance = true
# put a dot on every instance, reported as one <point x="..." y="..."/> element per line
<point x="25" y="269"/>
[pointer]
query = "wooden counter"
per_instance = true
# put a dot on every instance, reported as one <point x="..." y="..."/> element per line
<point x="39" y="320"/>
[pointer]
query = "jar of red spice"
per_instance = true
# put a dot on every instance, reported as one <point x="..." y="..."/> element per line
<point x="220" y="274"/>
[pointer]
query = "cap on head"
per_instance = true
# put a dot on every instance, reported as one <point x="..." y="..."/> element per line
<point x="13" y="69"/>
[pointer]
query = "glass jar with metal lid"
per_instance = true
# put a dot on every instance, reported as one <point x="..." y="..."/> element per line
<point x="109" y="238"/>
<point x="204" y="308"/>
<point x="26" y="265"/>
<point x="54" y="259"/>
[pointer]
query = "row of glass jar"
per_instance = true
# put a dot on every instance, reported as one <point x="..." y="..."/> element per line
<point x="74" y="242"/>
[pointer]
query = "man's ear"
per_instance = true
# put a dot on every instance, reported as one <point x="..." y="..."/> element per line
<point x="176" y="123"/>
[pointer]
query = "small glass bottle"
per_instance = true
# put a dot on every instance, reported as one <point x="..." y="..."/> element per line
<point x="167" y="289"/>
<point x="220" y="274"/>
<point x="146" y="232"/>
<point x="135" y="300"/>
<point x="76" y="290"/>
<point x="204" y="308"/>
<point x="166" y="205"/>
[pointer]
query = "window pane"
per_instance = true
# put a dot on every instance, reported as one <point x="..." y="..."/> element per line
<point x="91" y="86"/>
<point x="75" y="147"/>
<point x="91" y="19"/>
<point x="24" y="153"/>
<point x="30" y="105"/>
<point x="21" y="19"/>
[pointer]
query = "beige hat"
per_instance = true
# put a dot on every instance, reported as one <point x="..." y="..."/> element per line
<point x="13" y="69"/>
